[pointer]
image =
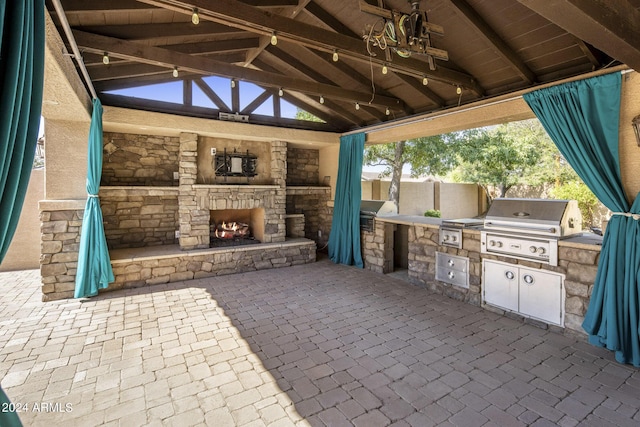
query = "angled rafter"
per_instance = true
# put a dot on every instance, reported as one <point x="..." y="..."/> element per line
<point x="206" y="66"/>
<point x="314" y="74"/>
<point x="204" y="48"/>
<point x="613" y="26"/>
<point x="424" y="90"/>
<point x="501" y="48"/>
<point x="239" y="15"/>
<point x="115" y="6"/>
<point x="333" y="106"/>
<point x="211" y="94"/>
<point x="260" y="99"/>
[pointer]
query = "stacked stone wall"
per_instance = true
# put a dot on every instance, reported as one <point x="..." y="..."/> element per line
<point x="60" y="231"/>
<point x="303" y="166"/>
<point x="132" y="159"/>
<point x="312" y="202"/>
<point x="139" y="216"/>
<point x="143" y="271"/>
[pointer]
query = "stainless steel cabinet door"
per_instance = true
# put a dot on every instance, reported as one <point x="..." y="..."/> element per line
<point x="501" y="285"/>
<point x="541" y="295"/>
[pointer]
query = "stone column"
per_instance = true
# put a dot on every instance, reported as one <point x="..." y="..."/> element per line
<point x="279" y="178"/>
<point x="194" y="222"/>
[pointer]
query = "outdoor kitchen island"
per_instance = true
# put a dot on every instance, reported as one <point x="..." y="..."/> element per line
<point x="577" y="264"/>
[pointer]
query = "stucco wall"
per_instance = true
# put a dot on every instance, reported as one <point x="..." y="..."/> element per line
<point x="24" y="252"/>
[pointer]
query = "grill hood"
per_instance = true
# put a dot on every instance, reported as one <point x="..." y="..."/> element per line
<point x="547" y="217"/>
<point x="378" y="207"/>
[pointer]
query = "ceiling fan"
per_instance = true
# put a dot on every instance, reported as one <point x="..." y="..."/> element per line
<point x="404" y="33"/>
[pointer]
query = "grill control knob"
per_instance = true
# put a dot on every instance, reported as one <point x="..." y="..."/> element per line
<point x="541" y="250"/>
<point x="533" y="249"/>
<point x="499" y="244"/>
<point x="454" y="238"/>
<point x="446" y="237"/>
<point x="492" y="243"/>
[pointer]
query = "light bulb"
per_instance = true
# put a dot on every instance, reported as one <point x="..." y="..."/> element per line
<point x="195" y="18"/>
<point x="335" y="56"/>
<point x="385" y="70"/>
<point x="321" y="99"/>
<point x="280" y="92"/>
<point x="105" y="58"/>
<point x="425" y="81"/>
<point x="233" y="83"/>
<point x="387" y="112"/>
<point x="175" y="71"/>
<point x="357" y="105"/>
<point x="274" y="39"/>
<point x="459" y="90"/>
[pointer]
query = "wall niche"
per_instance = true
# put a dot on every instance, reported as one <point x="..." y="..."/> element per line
<point x="207" y="161"/>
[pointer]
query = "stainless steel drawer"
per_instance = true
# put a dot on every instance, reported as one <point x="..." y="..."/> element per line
<point x="452" y="269"/>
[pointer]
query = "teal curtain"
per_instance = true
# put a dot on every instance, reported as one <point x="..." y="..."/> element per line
<point x="344" y="240"/>
<point x="583" y="120"/>
<point x="94" y="265"/>
<point x="21" y="81"/>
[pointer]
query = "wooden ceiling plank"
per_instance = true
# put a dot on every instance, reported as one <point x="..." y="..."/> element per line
<point x="123" y="71"/>
<point x="202" y="65"/>
<point x="211" y="94"/>
<point x="252" y="19"/>
<point x="612" y="26"/>
<point x="203" y="48"/>
<point x="424" y="90"/>
<point x="501" y="48"/>
<point x="72" y="7"/>
<point x="162" y="32"/>
<point x="325" y="17"/>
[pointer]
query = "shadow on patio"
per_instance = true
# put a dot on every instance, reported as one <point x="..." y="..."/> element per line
<point x="316" y="344"/>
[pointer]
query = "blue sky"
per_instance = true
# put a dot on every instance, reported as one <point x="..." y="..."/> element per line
<point x="172" y="92"/>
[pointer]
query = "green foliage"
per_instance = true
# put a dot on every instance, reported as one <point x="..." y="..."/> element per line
<point x="432" y="213"/>
<point x="427" y="155"/>
<point x="587" y="201"/>
<point x="304" y="115"/>
<point x="507" y="155"/>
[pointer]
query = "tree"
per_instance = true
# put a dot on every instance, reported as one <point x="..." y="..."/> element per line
<point x="304" y="115"/>
<point x="427" y="155"/>
<point x="507" y="155"/>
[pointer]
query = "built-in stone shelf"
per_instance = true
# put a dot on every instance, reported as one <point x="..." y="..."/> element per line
<point x="234" y="186"/>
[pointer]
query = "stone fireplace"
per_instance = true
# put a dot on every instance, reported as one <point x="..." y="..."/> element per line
<point x="262" y="206"/>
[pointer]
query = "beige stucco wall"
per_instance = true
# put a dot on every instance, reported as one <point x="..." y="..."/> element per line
<point x="24" y="251"/>
<point x="415" y="197"/>
<point x="456" y="200"/>
<point x="329" y="165"/>
<point x="629" y="149"/>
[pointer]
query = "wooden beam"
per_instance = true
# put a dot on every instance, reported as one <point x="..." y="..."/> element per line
<point x="72" y="7"/>
<point x="612" y="26"/>
<point x="260" y="99"/>
<point x="204" y="48"/>
<point x="166" y="34"/>
<point x="472" y="17"/>
<point x="328" y="19"/>
<point x="187" y="92"/>
<point x="212" y="95"/>
<point x="239" y="15"/>
<point x="424" y="90"/>
<point x="205" y="66"/>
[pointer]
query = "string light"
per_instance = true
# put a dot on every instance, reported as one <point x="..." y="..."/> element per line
<point x="321" y="99"/>
<point x="425" y="81"/>
<point x="195" y="18"/>
<point x="274" y="39"/>
<point x="280" y="92"/>
<point x="386" y="111"/>
<point x="385" y="70"/>
<point x="335" y="56"/>
<point x="459" y="90"/>
<point x="233" y="83"/>
<point x="175" y="71"/>
<point x="105" y="58"/>
<point x="357" y="105"/>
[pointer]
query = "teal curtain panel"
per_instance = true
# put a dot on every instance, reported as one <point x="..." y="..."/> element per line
<point x="94" y="265"/>
<point x="583" y="119"/>
<point x="344" y="240"/>
<point x="21" y="81"/>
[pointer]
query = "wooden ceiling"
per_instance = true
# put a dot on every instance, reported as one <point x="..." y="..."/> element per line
<point x="494" y="47"/>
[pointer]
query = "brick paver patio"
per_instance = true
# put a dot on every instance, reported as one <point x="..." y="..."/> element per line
<point x="317" y="344"/>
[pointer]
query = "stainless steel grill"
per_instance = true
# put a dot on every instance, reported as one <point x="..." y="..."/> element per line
<point x="369" y="209"/>
<point x="529" y="228"/>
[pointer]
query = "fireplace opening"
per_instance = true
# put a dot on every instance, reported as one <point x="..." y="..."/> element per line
<point x="235" y="227"/>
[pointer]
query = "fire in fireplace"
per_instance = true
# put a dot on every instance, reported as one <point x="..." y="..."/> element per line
<point x="231" y="227"/>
